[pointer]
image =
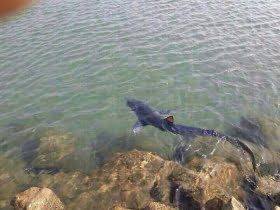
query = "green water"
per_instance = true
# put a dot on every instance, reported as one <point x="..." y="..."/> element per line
<point x="70" y="64"/>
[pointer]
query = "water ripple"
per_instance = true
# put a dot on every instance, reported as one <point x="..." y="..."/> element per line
<point x="212" y="58"/>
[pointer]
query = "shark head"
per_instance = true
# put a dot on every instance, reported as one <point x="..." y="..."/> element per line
<point x="139" y="107"/>
<point x="147" y="116"/>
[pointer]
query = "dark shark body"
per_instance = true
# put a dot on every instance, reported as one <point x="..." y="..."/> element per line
<point x="147" y="116"/>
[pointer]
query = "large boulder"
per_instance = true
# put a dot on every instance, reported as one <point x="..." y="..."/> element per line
<point x="135" y="179"/>
<point x="262" y="131"/>
<point x="218" y="178"/>
<point x="209" y="147"/>
<point x="50" y="150"/>
<point x="250" y="129"/>
<point x="262" y="135"/>
<point x="268" y="185"/>
<point x="127" y="178"/>
<point x="270" y="129"/>
<point x="36" y="198"/>
<point x="143" y="180"/>
<point x="66" y="185"/>
<point x="54" y="150"/>
<point x="211" y="183"/>
<point x="107" y="145"/>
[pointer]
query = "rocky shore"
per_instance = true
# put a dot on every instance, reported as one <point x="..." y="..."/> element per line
<point x="143" y="180"/>
<point x="134" y="179"/>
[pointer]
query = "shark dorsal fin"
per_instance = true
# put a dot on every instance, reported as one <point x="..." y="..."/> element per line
<point x="169" y="119"/>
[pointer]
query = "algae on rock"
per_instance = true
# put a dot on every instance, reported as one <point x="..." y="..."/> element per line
<point x="209" y="147"/>
<point x="66" y="185"/>
<point x="12" y="178"/>
<point x="54" y="149"/>
<point x="107" y="145"/>
<point x="262" y="135"/>
<point x="134" y="179"/>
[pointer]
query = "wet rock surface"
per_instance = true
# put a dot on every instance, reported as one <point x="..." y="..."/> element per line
<point x="252" y="198"/>
<point x="262" y="135"/>
<point x="119" y="207"/>
<point x="268" y="185"/>
<point x="158" y="206"/>
<point x="209" y="147"/>
<point x="213" y="174"/>
<point x="216" y="177"/>
<point x="133" y="180"/>
<point x="235" y="205"/>
<point x="250" y="129"/>
<point x="53" y="149"/>
<point x="143" y="180"/>
<point x="12" y="178"/>
<point x="29" y="150"/>
<point x="212" y="185"/>
<point x="126" y="179"/>
<point x="107" y="145"/>
<point x="50" y="152"/>
<point x="66" y="185"/>
<point x="36" y="198"/>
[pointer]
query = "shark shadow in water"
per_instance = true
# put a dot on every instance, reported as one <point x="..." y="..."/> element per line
<point x="147" y="116"/>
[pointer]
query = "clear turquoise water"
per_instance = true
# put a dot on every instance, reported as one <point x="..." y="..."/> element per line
<point x="70" y="64"/>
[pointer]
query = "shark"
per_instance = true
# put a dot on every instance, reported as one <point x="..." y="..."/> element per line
<point x="165" y="122"/>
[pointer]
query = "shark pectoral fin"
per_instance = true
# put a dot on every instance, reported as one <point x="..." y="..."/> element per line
<point x="169" y="119"/>
<point x="138" y="126"/>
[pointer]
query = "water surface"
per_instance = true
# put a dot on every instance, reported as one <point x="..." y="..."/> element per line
<point x="70" y="64"/>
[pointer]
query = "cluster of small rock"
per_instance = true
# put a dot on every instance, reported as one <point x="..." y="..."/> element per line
<point x="136" y="179"/>
<point x="143" y="180"/>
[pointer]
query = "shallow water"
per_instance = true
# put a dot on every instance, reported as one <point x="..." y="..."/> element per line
<point x="70" y="64"/>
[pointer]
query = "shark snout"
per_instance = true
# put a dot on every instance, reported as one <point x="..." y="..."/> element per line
<point x="133" y="104"/>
